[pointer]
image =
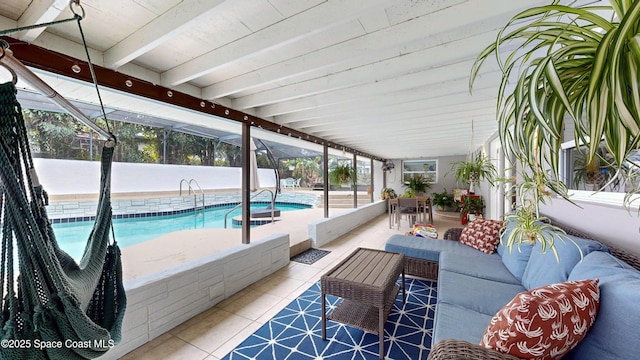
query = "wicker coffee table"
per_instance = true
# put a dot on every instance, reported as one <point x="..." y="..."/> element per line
<point x="366" y="280"/>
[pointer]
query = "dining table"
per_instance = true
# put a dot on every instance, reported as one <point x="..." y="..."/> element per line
<point x="417" y="209"/>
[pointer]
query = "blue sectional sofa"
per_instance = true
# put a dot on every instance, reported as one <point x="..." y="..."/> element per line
<point x="473" y="286"/>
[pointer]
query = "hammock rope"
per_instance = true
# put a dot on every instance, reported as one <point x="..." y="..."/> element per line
<point x="74" y="309"/>
<point x="36" y="26"/>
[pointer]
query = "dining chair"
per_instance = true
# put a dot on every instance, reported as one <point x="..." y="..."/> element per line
<point x="393" y="212"/>
<point x="407" y="207"/>
<point x="425" y="209"/>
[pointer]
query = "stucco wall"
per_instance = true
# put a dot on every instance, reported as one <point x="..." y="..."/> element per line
<point x="67" y="177"/>
<point x="158" y="302"/>
<point x="613" y="223"/>
<point x="324" y="231"/>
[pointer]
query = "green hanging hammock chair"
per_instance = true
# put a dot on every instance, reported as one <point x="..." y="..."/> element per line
<point x="51" y="306"/>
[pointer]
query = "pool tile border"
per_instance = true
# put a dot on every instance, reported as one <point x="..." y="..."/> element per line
<point x="178" y="212"/>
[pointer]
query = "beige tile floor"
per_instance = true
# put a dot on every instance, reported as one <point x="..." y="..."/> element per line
<point x="212" y="334"/>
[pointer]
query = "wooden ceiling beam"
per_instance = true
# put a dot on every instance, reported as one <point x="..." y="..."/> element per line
<point x="294" y="28"/>
<point x="40" y="12"/>
<point x="158" y="31"/>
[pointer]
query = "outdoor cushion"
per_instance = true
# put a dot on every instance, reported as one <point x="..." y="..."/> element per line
<point x="481" y="295"/>
<point x="480" y="265"/>
<point x="615" y="333"/>
<point x="424" y="248"/>
<point x="516" y="258"/>
<point x="482" y="234"/>
<point x="543" y="269"/>
<point x="545" y="322"/>
<point x="455" y="322"/>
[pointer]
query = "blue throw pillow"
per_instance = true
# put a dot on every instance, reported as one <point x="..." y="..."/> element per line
<point x="516" y="258"/>
<point x="615" y="333"/>
<point x="544" y="269"/>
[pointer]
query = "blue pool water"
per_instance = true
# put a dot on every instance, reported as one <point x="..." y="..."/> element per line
<point x="72" y="237"/>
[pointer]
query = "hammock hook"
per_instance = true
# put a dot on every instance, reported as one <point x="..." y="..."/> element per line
<point x="14" y="77"/>
<point x="111" y="141"/>
<point x="80" y="14"/>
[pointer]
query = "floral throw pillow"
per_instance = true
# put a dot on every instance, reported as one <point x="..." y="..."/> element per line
<point x="482" y="234"/>
<point x="545" y="322"/>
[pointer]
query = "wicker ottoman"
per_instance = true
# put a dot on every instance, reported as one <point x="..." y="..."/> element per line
<point x="366" y="280"/>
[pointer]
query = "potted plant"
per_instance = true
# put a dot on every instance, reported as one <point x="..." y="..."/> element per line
<point x="408" y="194"/>
<point x="573" y="64"/>
<point x="473" y="170"/>
<point x="595" y="173"/>
<point x="630" y="174"/>
<point x="417" y="185"/>
<point x="472" y="206"/>
<point x="388" y="193"/>
<point x="442" y="200"/>
<point x="342" y="174"/>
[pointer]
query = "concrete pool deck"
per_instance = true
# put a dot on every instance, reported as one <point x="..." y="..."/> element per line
<point x="179" y="247"/>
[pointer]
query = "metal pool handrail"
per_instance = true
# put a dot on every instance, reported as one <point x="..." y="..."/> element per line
<point x="254" y="195"/>
<point x="193" y="190"/>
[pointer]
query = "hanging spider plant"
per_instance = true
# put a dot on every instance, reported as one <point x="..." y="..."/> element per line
<point x="572" y="64"/>
<point x="473" y="170"/>
<point x="577" y="64"/>
<point x="342" y="174"/>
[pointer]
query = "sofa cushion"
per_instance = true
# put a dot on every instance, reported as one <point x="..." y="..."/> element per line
<point x="481" y="295"/>
<point x="615" y="333"/>
<point x="455" y="322"/>
<point x="545" y="322"/>
<point x="480" y="265"/>
<point x="543" y="268"/>
<point x="482" y="234"/>
<point x="516" y="258"/>
<point x="424" y="248"/>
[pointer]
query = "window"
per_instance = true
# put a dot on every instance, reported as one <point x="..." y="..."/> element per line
<point x="426" y="168"/>
<point x="599" y="173"/>
<point x="585" y="179"/>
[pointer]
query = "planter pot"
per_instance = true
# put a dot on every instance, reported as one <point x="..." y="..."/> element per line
<point x="472" y="187"/>
<point x="631" y="185"/>
<point x="593" y="186"/>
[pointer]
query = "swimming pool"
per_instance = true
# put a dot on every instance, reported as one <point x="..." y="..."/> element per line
<point x="72" y="237"/>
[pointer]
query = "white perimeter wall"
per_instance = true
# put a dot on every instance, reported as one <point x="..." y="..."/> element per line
<point x="326" y="230"/>
<point x="611" y="223"/>
<point x="158" y="302"/>
<point x="68" y="177"/>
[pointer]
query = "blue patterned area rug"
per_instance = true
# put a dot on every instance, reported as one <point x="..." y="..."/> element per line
<point x="296" y="331"/>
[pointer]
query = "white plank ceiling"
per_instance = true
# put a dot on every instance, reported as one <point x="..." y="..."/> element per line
<point x="387" y="77"/>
